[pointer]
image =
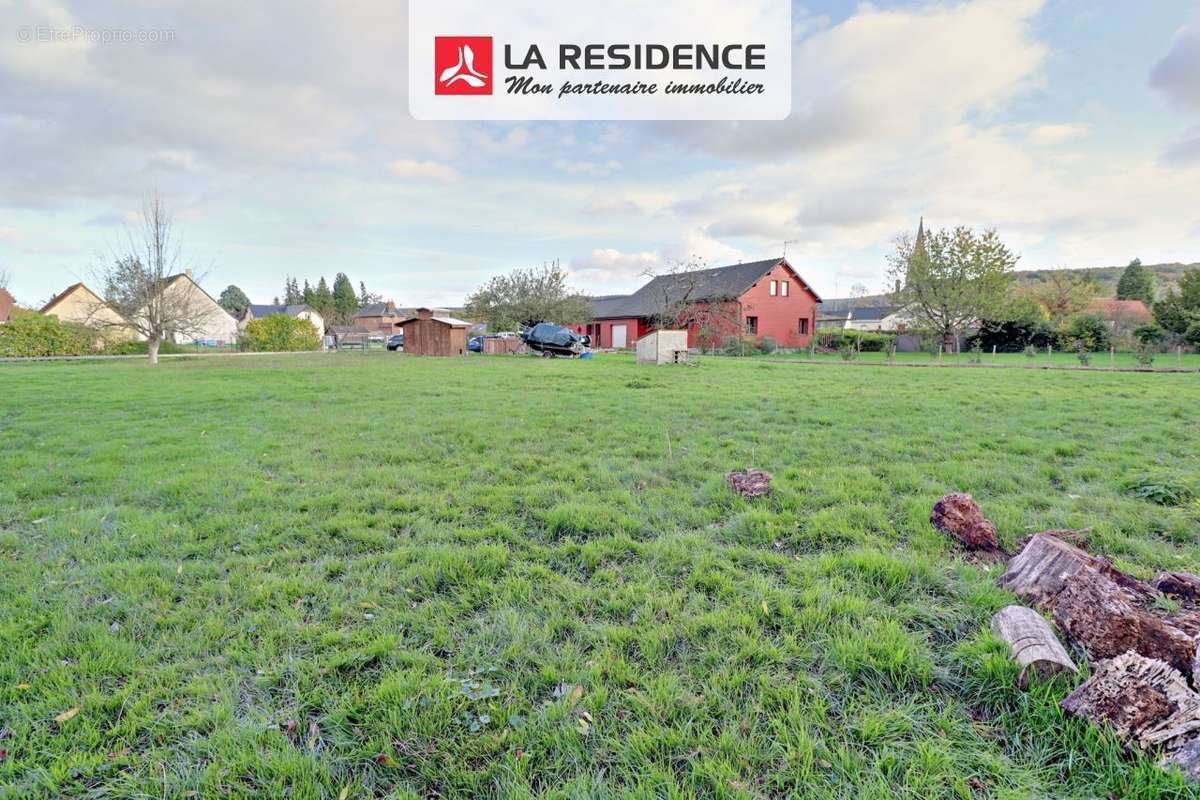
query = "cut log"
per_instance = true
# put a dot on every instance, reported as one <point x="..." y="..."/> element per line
<point x="1095" y="614"/>
<point x="1183" y="585"/>
<point x="958" y="515"/>
<point x="1031" y="642"/>
<point x="1047" y="563"/>
<point x="1145" y="701"/>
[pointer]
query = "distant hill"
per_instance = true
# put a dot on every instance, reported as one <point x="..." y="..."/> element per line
<point x="1168" y="277"/>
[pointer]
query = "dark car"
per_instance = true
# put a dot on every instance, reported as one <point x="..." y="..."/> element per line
<point x="475" y="344"/>
<point x="395" y="341"/>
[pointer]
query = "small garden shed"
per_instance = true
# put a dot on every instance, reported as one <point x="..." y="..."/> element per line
<point x="427" y="335"/>
<point x="663" y="347"/>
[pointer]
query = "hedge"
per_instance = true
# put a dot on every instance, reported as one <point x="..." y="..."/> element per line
<point x="30" y="335"/>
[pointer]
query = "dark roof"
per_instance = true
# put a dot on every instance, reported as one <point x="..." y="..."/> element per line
<point x="376" y="310"/>
<point x="265" y="311"/>
<point x="871" y="313"/>
<point x="717" y="283"/>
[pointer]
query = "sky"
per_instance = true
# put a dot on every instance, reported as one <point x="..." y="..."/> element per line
<point x="278" y="133"/>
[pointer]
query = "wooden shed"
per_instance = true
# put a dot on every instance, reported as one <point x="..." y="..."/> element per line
<point x="427" y="335"/>
<point x="662" y="347"/>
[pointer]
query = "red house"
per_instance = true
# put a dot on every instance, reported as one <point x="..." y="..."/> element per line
<point x="761" y="298"/>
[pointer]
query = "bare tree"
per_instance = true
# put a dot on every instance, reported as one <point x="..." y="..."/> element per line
<point x="679" y="302"/>
<point x="142" y="290"/>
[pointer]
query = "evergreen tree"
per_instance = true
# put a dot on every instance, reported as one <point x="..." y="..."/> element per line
<point x="323" y="299"/>
<point x="345" y="302"/>
<point x="364" y="299"/>
<point x="1137" y="283"/>
<point x="308" y="297"/>
<point x="234" y="300"/>
<point x="291" y="292"/>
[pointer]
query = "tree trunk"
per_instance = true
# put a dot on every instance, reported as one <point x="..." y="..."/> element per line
<point x="152" y="350"/>
<point x="1046" y="563"/>
<point x="1095" y="605"/>
<point x="1031" y="643"/>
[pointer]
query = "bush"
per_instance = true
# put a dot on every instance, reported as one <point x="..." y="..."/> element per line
<point x="140" y="348"/>
<point x="736" y="346"/>
<point x="27" y="335"/>
<point x="1088" y="331"/>
<point x="767" y="345"/>
<point x="1144" y="355"/>
<point x="977" y="354"/>
<point x="1012" y="336"/>
<point x="1030" y="351"/>
<point x="1149" y="334"/>
<point x="1192" y="334"/>
<point x="1082" y="354"/>
<point x="860" y="341"/>
<point x="280" y="333"/>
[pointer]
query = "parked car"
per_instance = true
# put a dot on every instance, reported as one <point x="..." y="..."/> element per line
<point x="475" y="344"/>
<point x="395" y="342"/>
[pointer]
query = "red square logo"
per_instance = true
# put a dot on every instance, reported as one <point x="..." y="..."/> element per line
<point x="462" y="65"/>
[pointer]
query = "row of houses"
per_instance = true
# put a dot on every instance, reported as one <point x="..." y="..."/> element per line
<point x="433" y="329"/>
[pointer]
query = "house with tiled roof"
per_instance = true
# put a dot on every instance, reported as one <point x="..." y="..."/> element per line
<point x="755" y="299"/>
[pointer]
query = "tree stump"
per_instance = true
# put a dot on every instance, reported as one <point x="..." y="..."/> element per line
<point x="958" y="515"/>
<point x="1031" y="643"/>
<point x="1145" y="701"/>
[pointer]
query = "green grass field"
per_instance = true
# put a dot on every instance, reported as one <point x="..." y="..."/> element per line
<point x="379" y="576"/>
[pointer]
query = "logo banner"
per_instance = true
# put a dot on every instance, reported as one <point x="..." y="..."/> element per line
<point x="617" y="60"/>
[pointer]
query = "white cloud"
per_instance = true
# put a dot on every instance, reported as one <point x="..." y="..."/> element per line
<point x="884" y="77"/>
<point x="593" y="168"/>
<point x="422" y="171"/>
<point x="1054" y="134"/>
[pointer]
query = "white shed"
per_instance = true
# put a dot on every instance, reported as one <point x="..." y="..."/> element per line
<point x="662" y="347"/>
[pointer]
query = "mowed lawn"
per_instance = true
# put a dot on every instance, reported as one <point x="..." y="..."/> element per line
<point x="382" y="576"/>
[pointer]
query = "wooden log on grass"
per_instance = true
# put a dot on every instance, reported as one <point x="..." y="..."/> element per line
<point x="1031" y="643"/>
<point x="958" y="515"/>
<point x="1047" y="563"/>
<point x="1095" y="605"/>
<point x="1144" y="700"/>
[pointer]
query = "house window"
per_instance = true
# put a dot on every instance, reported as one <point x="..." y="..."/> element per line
<point x="803" y="327"/>
<point x="774" y="288"/>
<point x="752" y="326"/>
<point x="783" y="288"/>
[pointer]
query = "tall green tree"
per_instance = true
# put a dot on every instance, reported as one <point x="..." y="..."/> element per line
<point x="234" y="300"/>
<point x="323" y="299"/>
<point x="1179" y="309"/>
<point x="345" y="301"/>
<point x="951" y="278"/>
<point x="366" y="298"/>
<point x="526" y="296"/>
<point x="291" y="292"/>
<point x="308" y="296"/>
<point x="1137" y="283"/>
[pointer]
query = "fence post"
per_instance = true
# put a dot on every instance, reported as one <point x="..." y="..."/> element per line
<point x="1112" y="357"/>
<point x="993" y="354"/>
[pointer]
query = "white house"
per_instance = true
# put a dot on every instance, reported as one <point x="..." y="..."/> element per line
<point x="211" y="323"/>
<point x="299" y="311"/>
